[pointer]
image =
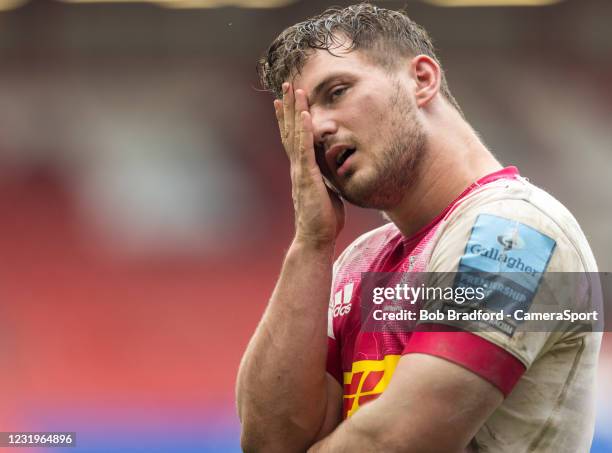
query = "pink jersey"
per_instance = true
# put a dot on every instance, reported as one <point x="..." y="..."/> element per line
<point x="500" y="224"/>
<point x="363" y="362"/>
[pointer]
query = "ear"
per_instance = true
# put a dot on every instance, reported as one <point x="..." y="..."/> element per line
<point x="426" y="73"/>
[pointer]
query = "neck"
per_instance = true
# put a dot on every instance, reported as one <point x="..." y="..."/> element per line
<point x="453" y="161"/>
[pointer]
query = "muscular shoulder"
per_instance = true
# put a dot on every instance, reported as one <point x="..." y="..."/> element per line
<point x="512" y="218"/>
<point x="522" y="239"/>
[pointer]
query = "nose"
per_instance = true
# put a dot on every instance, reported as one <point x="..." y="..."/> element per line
<point x="323" y="125"/>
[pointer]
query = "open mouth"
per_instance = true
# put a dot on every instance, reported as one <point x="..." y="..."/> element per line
<point x="344" y="155"/>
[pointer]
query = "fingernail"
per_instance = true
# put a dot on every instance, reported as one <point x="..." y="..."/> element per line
<point x="285" y="87"/>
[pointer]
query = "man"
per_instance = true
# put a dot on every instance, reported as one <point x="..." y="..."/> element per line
<point x="365" y="115"/>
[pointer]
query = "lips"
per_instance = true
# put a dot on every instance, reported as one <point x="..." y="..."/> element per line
<point x="344" y="155"/>
<point x="337" y="155"/>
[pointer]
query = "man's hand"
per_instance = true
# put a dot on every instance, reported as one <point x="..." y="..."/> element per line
<point x="319" y="212"/>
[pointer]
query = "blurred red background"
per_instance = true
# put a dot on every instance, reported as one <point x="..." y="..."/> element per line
<point x="146" y="204"/>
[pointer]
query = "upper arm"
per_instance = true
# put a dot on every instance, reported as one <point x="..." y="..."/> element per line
<point x="431" y="404"/>
<point x="333" y="411"/>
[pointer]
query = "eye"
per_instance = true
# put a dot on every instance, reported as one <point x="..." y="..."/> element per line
<point x="335" y="93"/>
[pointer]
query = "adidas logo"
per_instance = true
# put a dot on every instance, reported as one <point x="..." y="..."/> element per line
<point x="342" y="300"/>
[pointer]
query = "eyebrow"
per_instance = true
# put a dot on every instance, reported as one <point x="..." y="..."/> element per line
<point x="323" y="83"/>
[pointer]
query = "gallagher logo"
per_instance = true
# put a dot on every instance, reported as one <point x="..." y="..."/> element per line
<point x="342" y="300"/>
<point x="511" y="240"/>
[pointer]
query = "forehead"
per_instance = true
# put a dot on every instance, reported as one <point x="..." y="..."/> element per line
<point x="321" y="64"/>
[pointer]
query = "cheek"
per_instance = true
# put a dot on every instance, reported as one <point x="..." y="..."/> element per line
<point x="368" y="113"/>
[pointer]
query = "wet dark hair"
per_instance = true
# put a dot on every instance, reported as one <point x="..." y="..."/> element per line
<point x="382" y="34"/>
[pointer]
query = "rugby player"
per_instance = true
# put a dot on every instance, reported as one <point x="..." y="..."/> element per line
<point x="366" y="115"/>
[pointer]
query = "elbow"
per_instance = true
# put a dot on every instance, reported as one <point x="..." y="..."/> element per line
<point x="254" y="438"/>
<point x="249" y="443"/>
<point x="254" y="442"/>
<point x="251" y="438"/>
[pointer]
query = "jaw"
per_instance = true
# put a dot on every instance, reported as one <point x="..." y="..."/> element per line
<point x="357" y="187"/>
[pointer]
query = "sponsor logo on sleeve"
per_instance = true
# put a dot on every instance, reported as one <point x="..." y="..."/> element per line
<point x="510" y="258"/>
<point x="497" y="244"/>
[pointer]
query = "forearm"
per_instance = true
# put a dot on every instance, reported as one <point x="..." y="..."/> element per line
<point x="350" y="437"/>
<point x="368" y="431"/>
<point x="374" y="436"/>
<point x="376" y="432"/>
<point x="430" y="405"/>
<point x="281" y="388"/>
<point x="346" y="439"/>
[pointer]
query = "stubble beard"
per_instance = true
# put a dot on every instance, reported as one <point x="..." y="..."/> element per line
<point x="397" y="167"/>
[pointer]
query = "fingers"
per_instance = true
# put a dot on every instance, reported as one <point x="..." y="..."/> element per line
<point x="295" y="129"/>
<point x="301" y="105"/>
<point x="278" y="110"/>
<point x="305" y="148"/>
<point x="305" y="144"/>
<point x="317" y="214"/>
<point x="288" y="114"/>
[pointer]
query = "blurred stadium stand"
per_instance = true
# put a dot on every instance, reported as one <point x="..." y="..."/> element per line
<point x="146" y="202"/>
